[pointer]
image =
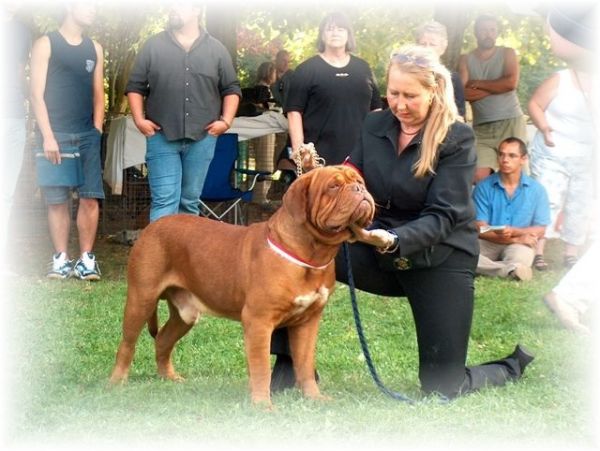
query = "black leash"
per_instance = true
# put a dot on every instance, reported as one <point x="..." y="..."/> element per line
<point x="361" y="335"/>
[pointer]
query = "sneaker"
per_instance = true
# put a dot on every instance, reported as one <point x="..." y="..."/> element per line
<point x="60" y="267"/>
<point x="86" y="267"/>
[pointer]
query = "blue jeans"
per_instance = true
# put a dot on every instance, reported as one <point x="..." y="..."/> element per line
<point x="176" y="173"/>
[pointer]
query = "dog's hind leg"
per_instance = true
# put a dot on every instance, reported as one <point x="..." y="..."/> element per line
<point x="172" y="331"/>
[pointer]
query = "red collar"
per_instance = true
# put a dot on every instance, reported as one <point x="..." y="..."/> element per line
<point x="282" y="252"/>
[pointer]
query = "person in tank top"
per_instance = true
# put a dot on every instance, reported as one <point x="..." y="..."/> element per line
<point x="490" y="75"/>
<point x="561" y="157"/>
<point x="573" y="30"/>
<point x="67" y="97"/>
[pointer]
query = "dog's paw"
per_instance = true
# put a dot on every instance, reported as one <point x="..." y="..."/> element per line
<point x="172" y="376"/>
<point x="264" y="405"/>
<point x="319" y="397"/>
<point x="117" y="378"/>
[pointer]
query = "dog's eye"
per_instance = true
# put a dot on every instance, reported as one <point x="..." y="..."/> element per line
<point x="336" y="183"/>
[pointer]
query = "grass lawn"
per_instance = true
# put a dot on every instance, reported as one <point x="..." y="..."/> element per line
<point x="61" y="345"/>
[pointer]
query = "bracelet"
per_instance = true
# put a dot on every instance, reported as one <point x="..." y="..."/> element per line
<point x="222" y="119"/>
<point x="394" y="246"/>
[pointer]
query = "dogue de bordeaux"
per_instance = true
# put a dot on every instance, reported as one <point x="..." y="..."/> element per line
<point x="266" y="275"/>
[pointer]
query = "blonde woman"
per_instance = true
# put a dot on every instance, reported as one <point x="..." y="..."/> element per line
<point x="418" y="163"/>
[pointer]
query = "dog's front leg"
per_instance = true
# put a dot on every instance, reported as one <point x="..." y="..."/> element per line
<point x="303" y="343"/>
<point x="257" y="340"/>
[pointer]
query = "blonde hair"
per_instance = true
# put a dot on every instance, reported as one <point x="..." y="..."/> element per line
<point x="424" y="65"/>
<point x="432" y="27"/>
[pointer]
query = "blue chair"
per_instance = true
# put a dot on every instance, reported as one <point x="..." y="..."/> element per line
<point x="218" y="189"/>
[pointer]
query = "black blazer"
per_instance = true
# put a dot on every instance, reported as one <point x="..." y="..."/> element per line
<point x="422" y="211"/>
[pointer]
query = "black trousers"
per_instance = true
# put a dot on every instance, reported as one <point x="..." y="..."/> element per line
<point x="441" y="300"/>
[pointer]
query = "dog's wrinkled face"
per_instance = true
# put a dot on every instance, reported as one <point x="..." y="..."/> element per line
<point x="329" y="200"/>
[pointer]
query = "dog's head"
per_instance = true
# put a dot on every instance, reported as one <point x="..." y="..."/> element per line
<point x="328" y="200"/>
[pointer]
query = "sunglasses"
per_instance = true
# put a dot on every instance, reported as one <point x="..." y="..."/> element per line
<point x="419" y="61"/>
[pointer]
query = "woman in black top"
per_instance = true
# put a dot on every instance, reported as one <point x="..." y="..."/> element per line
<point x="418" y="163"/>
<point x="326" y="100"/>
<point x="331" y="93"/>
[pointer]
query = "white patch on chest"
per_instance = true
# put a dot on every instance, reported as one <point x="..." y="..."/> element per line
<point x="303" y="302"/>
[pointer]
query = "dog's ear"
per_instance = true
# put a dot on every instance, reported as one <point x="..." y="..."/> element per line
<point x="295" y="199"/>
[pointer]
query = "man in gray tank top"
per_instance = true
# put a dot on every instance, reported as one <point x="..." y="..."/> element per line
<point x="67" y="97"/>
<point x="490" y="74"/>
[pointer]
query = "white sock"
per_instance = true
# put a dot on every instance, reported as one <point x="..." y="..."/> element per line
<point x="62" y="257"/>
<point x="87" y="260"/>
<point x="58" y="262"/>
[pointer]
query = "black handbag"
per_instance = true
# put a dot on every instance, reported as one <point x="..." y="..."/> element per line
<point x="69" y="173"/>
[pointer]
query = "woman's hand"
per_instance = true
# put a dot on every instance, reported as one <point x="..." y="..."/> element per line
<point x="380" y="238"/>
<point x="306" y="157"/>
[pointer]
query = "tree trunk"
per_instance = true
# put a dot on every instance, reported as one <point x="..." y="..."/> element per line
<point x="221" y="23"/>
<point x="456" y="16"/>
<point x="118" y="38"/>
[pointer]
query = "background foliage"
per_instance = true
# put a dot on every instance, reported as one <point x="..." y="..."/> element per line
<point x="380" y="28"/>
<point x="263" y="28"/>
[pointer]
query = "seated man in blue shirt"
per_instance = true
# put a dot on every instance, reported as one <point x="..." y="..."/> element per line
<point x="512" y="214"/>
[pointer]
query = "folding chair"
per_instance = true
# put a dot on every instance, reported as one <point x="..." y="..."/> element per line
<point x="218" y="188"/>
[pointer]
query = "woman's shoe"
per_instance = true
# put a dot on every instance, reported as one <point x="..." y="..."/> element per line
<point x="283" y="376"/>
<point x="523" y="356"/>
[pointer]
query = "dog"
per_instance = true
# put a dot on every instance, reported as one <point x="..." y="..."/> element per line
<point x="277" y="273"/>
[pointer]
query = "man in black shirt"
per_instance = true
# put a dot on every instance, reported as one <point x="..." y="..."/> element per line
<point x="191" y="93"/>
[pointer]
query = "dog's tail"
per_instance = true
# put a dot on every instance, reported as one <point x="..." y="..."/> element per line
<point x="153" y="323"/>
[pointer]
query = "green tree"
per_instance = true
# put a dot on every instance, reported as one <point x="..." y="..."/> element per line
<point x="261" y="29"/>
<point x="121" y="30"/>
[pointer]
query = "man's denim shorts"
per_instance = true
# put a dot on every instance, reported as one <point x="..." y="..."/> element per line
<point x="88" y="144"/>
